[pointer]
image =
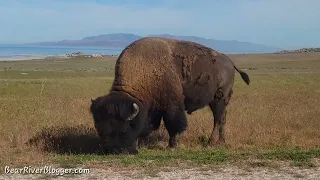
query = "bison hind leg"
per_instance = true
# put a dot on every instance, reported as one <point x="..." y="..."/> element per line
<point x="219" y="113"/>
<point x="218" y="108"/>
<point x="175" y="121"/>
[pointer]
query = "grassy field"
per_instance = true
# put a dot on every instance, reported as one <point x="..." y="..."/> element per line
<point x="45" y="119"/>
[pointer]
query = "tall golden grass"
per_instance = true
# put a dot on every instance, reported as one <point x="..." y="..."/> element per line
<point x="280" y="108"/>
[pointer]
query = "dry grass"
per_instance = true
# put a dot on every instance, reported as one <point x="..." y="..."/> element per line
<point x="50" y="108"/>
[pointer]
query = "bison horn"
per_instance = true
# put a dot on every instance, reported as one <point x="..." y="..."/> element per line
<point x="135" y="112"/>
<point x="92" y="99"/>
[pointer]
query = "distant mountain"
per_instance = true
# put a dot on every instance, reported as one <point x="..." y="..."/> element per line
<point x="113" y="37"/>
<point x="121" y="40"/>
<point x="232" y="47"/>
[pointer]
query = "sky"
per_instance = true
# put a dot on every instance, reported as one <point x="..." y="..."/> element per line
<point x="286" y="24"/>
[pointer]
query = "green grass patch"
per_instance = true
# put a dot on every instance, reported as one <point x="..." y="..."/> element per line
<point x="297" y="156"/>
<point x="156" y="158"/>
<point x="165" y="158"/>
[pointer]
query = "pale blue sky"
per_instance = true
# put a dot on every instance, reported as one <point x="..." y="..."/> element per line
<point x="280" y="23"/>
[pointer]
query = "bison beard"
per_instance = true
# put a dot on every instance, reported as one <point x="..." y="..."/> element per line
<point x="161" y="78"/>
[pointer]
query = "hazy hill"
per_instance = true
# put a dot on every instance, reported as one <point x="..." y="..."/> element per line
<point x="121" y="40"/>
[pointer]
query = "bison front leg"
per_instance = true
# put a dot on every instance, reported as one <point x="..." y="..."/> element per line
<point x="175" y="122"/>
<point x="218" y="132"/>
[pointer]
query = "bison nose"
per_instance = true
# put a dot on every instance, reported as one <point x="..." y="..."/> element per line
<point x="112" y="149"/>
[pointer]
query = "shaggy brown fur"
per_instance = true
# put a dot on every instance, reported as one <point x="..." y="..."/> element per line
<point x="167" y="77"/>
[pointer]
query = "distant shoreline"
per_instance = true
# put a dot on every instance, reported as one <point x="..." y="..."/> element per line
<point x="22" y="58"/>
<point x="47" y="57"/>
<point x="20" y="53"/>
<point x="51" y="57"/>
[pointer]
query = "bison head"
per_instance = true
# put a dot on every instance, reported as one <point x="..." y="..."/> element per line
<point x="118" y="121"/>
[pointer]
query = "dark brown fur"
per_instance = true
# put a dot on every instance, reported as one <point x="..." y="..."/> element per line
<point x="166" y="77"/>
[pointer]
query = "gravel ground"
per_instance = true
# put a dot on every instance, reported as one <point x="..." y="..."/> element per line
<point x="226" y="172"/>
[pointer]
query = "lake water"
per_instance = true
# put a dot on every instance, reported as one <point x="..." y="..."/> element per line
<point x="8" y="52"/>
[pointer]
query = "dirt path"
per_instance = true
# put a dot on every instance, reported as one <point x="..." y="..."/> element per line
<point x="226" y="172"/>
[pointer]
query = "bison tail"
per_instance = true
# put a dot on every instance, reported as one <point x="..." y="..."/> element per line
<point x="245" y="77"/>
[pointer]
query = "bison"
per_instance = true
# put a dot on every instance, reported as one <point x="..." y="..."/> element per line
<point x="161" y="78"/>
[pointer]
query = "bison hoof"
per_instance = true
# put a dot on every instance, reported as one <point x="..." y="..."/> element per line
<point x="219" y="143"/>
<point x="171" y="148"/>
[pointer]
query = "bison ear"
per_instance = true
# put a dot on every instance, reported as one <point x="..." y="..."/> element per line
<point x="134" y="112"/>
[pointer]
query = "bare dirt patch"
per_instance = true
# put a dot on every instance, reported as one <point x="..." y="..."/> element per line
<point x="223" y="172"/>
